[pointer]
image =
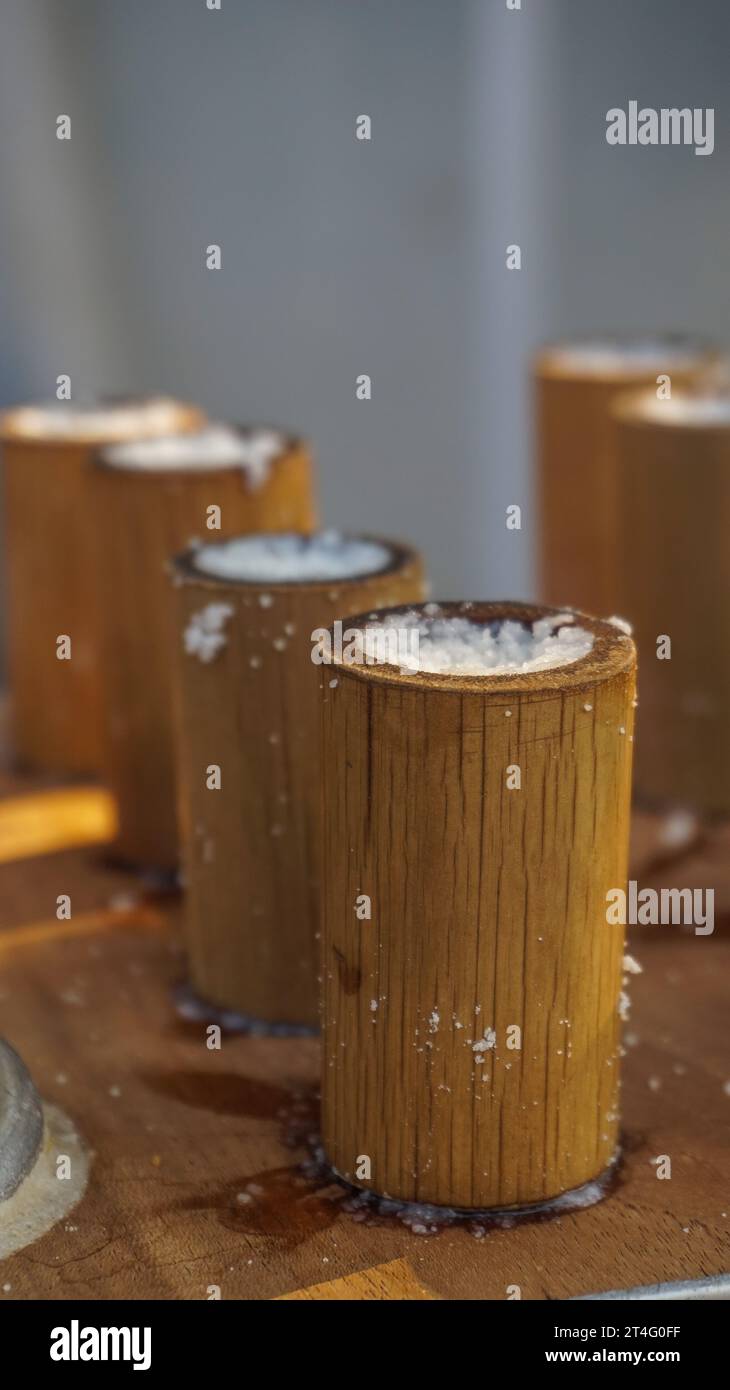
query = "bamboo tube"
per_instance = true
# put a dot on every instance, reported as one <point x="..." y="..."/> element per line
<point x="145" y="513"/>
<point x="488" y="912"/>
<point x="252" y="848"/>
<point x="47" y="450"/>
<point x="576" y="386"/>
<point x="674" y="487"/>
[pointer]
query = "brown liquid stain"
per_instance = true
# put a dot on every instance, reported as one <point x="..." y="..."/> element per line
<point x="290" y="1204"/>
<point x="279" y="1203"/>
<point x="223" y="1093"/>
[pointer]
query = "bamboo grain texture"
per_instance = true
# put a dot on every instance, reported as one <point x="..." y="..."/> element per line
<point x="142" y="519"/>
<point x="58" y="719"/>
<point x="675" y="497"/>
<point x="488" y="911"/>
<point x="576" y="478"/>
<point x="252" y="849"/>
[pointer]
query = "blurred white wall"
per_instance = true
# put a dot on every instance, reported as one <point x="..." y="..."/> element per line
<point x="339" y="257"/>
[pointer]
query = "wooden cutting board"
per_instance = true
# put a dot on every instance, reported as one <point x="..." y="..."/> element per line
<point x="194" y="1192"/>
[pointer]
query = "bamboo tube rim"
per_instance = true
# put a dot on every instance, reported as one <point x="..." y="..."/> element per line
<point x="184" y="570"/>
<point x="290" y="443"/>
<point x="613" y="653"/>
<point x="13" y="433"/>
<point x="562" y="360"/>
<point x="630" y="408"/>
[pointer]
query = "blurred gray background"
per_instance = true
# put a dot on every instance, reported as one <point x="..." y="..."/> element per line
<point x="237" y="126"/>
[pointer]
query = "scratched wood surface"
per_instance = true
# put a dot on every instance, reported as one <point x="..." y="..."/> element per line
<point x="194" y="1180"/>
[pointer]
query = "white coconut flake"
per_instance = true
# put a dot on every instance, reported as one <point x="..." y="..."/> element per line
<point x="678" y="830"/>
<point x="622" y="624"/>
<point x="694" y="411"/>
<point x="486" y="1043"/>
<point x="204" y="636"/>
<point x="216" y="446"/>
<point x="631" y="966"/>
<point x="460" y="646"/>
<point x="289" y="558"/>
<point x="155" y="415"/>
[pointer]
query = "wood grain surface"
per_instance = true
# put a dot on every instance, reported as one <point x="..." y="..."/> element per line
<point x="488" y="915"/>
<point x="393" y="1281"/>
<point x="580" y="511"/>
<point x="674" y="485"/>
<point x="163" y="511"/>
<point x="51" y="563"/>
